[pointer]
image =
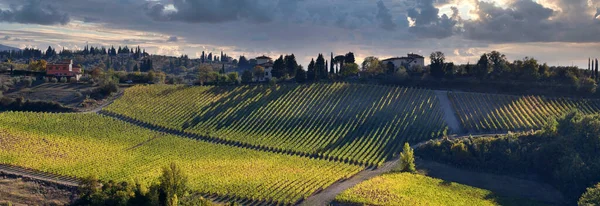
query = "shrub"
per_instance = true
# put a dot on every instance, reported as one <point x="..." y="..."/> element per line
<point x="407" y="159"/>
<point x="591" y="197"/>
<point x="273" y="82"/>
<point x="63" y="80"/>
<point x="54" y="80"/>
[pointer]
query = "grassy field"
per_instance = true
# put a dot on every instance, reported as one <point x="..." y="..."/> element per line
<point x="80" y="145"/>
<point x="415" y="189"/>
<point x="362" y="124"/>
<point x="485" y="113"/>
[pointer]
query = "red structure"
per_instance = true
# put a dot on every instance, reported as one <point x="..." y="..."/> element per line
<point x="63" y="68"/>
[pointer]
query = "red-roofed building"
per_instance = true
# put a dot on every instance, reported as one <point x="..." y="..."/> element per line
<point x="64" y="68"/>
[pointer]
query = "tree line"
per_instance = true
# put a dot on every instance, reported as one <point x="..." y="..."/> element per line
<point x="564" y="153"/>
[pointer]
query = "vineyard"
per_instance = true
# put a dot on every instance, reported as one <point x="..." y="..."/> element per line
<point x="489" y="113"/>
<point x="80" y="145"/>
<point x="359" y="124"/>
<point x="415" y="189"/>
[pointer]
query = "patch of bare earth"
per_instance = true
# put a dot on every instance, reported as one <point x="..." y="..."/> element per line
<point x="19" y="191"/>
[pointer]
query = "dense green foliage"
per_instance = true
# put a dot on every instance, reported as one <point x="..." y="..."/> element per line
<point x="407" y="159"/>
<point x="170" y="190"/>
<point x="565" y="153"/>
<point x="362" y="124"/>
<point x="484" y="113"/>
<point x="20" y="104"/>
<point x="591" y="197"/>
<point x="414" y="189"/>
<point x="80" y="145"/>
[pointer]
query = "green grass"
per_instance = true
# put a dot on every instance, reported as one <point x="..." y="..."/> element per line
<point x="364" y="124"/>
<point x="80" y="145"/>
<point x="414" y="189"/>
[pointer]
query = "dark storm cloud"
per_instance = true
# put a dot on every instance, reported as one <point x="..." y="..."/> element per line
<point x="212" y="11"/>
<point x="386" y="21"/>
<point x="34" y="12"/>
<point x="428" y="23"/>
<point x="528" y="21"/>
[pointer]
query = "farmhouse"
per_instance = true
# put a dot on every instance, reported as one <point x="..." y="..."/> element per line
<point x="63" y="68"/>
<point x="408" y="62"/>
<point x="267" y="63"/>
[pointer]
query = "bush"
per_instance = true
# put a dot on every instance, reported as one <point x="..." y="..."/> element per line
<point x="54" y="80"/>
<point x="63" y="80"/>
<point x="564" y="153"/>
<point x="407" y="159"/>
<point x="273" y="82"/>
<point x="591" y="197"/>
<point x="20" y="104"/>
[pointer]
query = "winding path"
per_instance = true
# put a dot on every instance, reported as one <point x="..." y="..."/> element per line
<point x="449" y="115"/>
<point x="326" y="196"/>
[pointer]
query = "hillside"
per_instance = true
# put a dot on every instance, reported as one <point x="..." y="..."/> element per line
<point x="359" y="124"/>
<point x="415" y="189"/>
<point x="8" y="48"/>
<point x="90" y="144"/>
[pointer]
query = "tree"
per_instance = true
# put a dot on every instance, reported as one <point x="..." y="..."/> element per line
<point x="349" y="69"/>
<point x="349" y="58"/>
<point x="407" y="159"/>
<point x="437" y="64"/>
<point x="311" y="74"/>
<point x="590" y="197"/>
<point x="279" y="68"/>
<point x="390" y="68"/>
<point x="372" y="66"/>
<point x="332" y="67"/>
<point x="247" y="76"/>
<point x="483" y="66"/>
<point x="243" y="63"/>
<point x="291" y="65"/>
<point x="320" y="68"/>
<point x="339" y="60"/>
<point x="204" y="74"/>
<point x="173" y="184"/>
<point x="259" y="72"/>
<point x="499" y="63"/>
<point x="300" y="75"/>
<point x="233" y="77"/>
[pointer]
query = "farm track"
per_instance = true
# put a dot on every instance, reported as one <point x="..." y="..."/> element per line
<point x="41" y="176"/>
<point x="232" y="143"/>
<point x="449" y="113"/>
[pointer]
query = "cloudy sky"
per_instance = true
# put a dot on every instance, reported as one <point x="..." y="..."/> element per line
<point x="560" y="32"/>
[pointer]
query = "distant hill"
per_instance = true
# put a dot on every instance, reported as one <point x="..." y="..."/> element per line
<point x="7" y="48"/>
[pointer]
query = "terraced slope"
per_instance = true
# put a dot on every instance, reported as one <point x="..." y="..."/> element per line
<point x="490" y="113"/>
<point x="359" y="124"/>
<point x="80" y="145"/>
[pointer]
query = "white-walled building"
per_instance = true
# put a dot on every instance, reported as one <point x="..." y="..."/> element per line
<point x="408" y="62"/>
<point x="267" y="63"/>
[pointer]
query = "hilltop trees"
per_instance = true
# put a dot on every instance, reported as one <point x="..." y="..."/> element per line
<point x="437" y="64"/>
<point x="311" y="74"/>
<point x="372" y="66"/>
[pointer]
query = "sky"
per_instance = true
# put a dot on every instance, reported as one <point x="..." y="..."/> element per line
<point x="559" y="32"/>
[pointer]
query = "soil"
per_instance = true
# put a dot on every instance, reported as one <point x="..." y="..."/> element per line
<point x="20" y="191"/>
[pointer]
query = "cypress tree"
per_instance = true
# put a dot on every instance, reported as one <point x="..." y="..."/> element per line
<point x="331" y="64"/>
<point x="597" y="70"/>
